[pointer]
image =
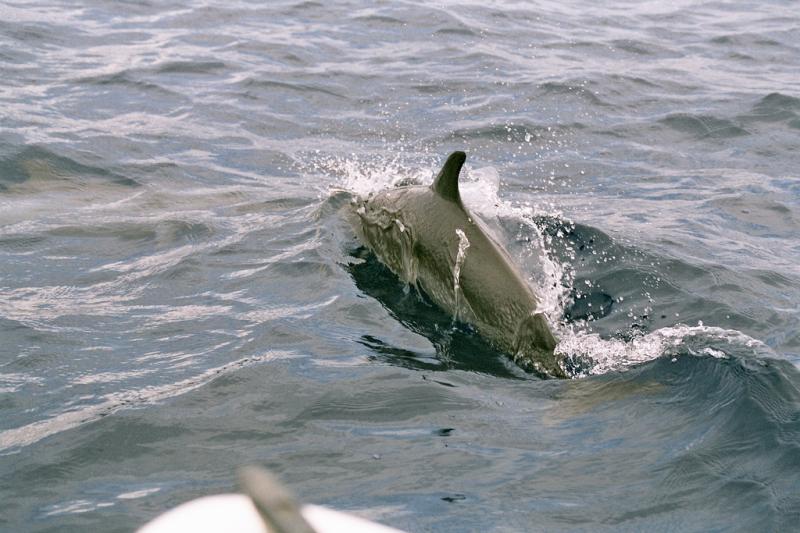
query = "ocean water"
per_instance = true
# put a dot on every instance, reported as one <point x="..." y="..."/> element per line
<point x="181" y="293"/>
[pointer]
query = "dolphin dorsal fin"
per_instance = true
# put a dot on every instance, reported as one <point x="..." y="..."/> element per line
<point x="446" y="183"/>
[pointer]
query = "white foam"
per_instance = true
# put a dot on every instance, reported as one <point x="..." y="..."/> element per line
<point x="605" y="355"/>
<point x="364" y="176"/>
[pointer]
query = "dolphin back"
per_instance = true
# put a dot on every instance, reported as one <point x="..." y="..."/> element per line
<point x="535" y="343"/>
<point x="428" y="238"/>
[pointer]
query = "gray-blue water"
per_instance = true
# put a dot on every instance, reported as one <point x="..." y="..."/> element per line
<point x="180" y="293"/>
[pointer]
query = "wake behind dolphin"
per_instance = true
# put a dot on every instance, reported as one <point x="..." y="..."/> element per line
<point x="428" y="238"/>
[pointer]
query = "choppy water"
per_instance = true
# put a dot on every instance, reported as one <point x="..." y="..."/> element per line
<point x="180" y="294"/>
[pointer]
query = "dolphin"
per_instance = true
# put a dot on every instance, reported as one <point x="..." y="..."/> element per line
<point x="428" y="238"/>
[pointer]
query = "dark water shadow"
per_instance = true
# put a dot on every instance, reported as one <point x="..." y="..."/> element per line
<point x="457" y="345"/>
<point x="638" y="290"/>
<point x="577" y="244"/>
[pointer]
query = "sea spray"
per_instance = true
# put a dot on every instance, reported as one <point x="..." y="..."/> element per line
<point x="463" y="244"/>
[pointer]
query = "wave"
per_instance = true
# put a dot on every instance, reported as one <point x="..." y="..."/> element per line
<point x="15" y="438"/>
<point x="47" y="169"/>
<point x="776" y="107"/>
<point x="189" y="67"/>
<point x="273" y="86"/>
<point x="704" y="126"/>
<point x="514" y="131"/>
<point x="125" y="78"/>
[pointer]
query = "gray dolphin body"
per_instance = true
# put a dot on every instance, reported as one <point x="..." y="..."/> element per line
<point x="428" y="238"/>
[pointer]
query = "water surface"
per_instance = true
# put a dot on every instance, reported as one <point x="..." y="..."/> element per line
<point x="180" y="293"/>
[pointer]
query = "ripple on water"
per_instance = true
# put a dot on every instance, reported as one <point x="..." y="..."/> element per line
<point x="38" y="169"/>
<point x="377" y="405"/>
<point x="514" y="131"/>
<point x="704" y="126"/>
<point x="26" y="435"/>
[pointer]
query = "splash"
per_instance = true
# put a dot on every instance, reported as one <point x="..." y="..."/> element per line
<point x="363" y="175"/>
<point x="463" y="244"/>
<point x="553" y="279"/>
<point x="593" y="355"/>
